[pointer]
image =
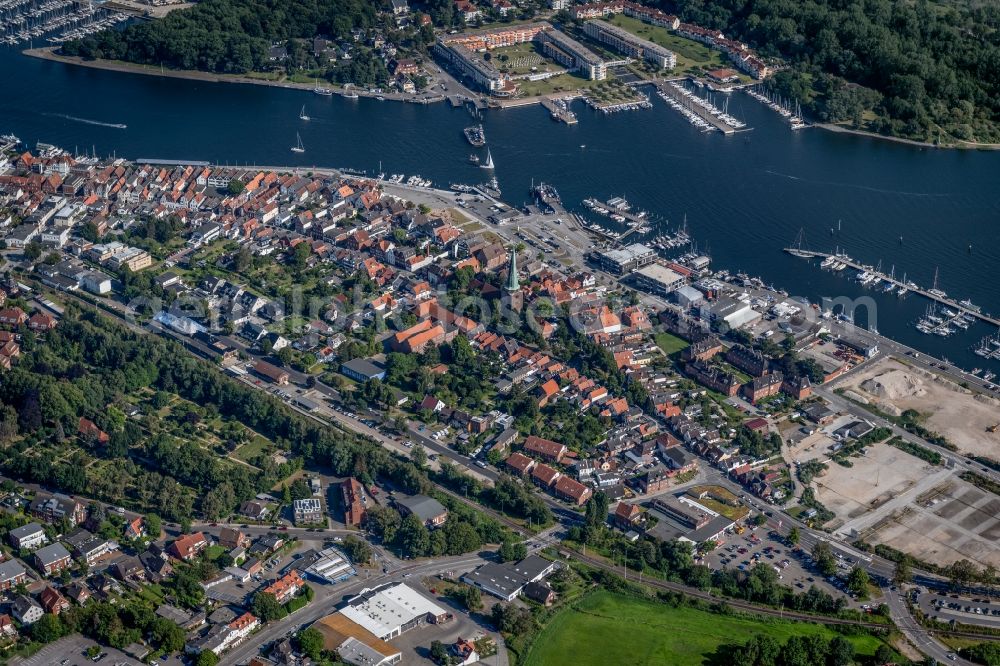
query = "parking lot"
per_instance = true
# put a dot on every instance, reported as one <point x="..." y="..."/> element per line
<point x="966" y="610"/>
<point x="70" y="651"/>
<point x="796" y="570"/>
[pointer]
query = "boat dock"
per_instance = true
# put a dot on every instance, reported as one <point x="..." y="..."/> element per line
<point x="934" y="295"/>
<point x="668" y="91"/>
<point x="559" y="110"/>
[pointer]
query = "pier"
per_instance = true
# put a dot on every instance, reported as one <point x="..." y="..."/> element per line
<point x="559" y="111"/>
<point x="668" y="90"/>
<point x="926" y="293"/>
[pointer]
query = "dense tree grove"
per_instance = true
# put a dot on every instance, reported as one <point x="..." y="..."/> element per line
<point x="916" y="66"/>
<point x="763" y="650"/>
<point x="227" y="35"/>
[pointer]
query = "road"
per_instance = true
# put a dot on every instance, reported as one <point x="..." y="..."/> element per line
<point x="916" y="634"/>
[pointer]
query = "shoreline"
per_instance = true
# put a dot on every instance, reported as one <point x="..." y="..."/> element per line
<point x="48" y="53"/>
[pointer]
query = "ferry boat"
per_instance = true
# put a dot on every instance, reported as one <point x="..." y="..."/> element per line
<point x="475" y="135"/>
<point x="546" y="194"/>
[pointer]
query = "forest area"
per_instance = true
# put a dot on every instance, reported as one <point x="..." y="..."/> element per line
<point x="926" y="70"/>
<point x="235" y="37"/>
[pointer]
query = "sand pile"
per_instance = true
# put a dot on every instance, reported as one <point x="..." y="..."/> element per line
<point x="894" y="385"/>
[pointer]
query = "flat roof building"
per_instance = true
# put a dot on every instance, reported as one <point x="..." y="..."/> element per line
<point x="626" y="259"/>
<point x="659" y="279"/>
<point x="392" y="609"/>
<point x="506" y="581"/>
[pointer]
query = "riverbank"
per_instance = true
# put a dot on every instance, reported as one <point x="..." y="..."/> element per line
<point x="48" y="53"/>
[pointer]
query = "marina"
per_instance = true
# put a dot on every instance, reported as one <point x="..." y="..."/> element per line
<point x="867" y="275"/>
<point x="22" y="21"/>
<point x="699" y="111"/>
<point x="779" y="106"/>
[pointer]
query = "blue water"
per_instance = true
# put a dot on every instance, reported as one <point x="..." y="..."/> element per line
<point x="744" y="196"/>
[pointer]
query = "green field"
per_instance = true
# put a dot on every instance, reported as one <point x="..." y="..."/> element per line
<point x="604" y="628"/>
<point x="670" y="344"/>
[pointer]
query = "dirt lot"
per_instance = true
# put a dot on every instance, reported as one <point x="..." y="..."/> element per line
<point x="952" y="521"/>
<point x="947" y="408"/>
<point x="883" y="473"/>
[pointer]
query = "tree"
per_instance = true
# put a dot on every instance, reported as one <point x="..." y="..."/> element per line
<point x="961" y="572"/>
<point x="418" y="455"/>
<point x="235" y="187"/>
<point x="207" y="658"/>
<point x="903" y="573"/>
<point x="884" y="654"/>
<point x="266" y="607"/>
<point x="840" y="652"/>
<point x="597" y="509"/>
<point x="439" y="653"/>
<point x="413" y="537"/>
<point x="858" y="580"/>
<point x="47" y="629"/>
<point x="32" y="251"/>
<point x="357" y="549"/>
<point x="512" y="551"/>
<point x="311" y="643"/>
<point x="793" y="536"/>
<point x="153" y="525"/>
<point x="823" y="556"/>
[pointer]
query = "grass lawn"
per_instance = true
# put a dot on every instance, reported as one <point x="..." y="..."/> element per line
<point x="590" y="633"/>
<point x="213" y="553"/>
<point x="671" y="344"/>
<point x="253" y="448"/>
<point x="690" y="54"/>
<point x="560" y="83"/>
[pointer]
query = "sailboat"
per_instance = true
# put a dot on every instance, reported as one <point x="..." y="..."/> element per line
<point x="320" y="91"/>
<point x="298" y="147"/>
<point x="488" y="164"/>
<point x="302" y="113"/>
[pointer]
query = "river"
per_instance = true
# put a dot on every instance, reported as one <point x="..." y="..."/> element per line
<point x="745" y="196"/>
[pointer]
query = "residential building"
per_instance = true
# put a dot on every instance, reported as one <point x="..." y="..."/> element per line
<point x="88" y="547"/>
<point x="285" y="587"/>
<point x="307" y="511"/>
<point x="763" y="387"/>
<point x="572" y="491"/>
<point x="26" y="610"/>
<point x="51" y="601"/>
<point x="52" y="559"/>
<point x="230" y="537"/>
<point x="27" y="537"/>
<point x="12" y="574"/>
<point x="570" y="53"/>
<point x="53" y="508"/>
<point x="625" y="42"/>
<point x="187" y="546"/>
<point x="545" y="448"/>
<point x="354" y="502"/>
